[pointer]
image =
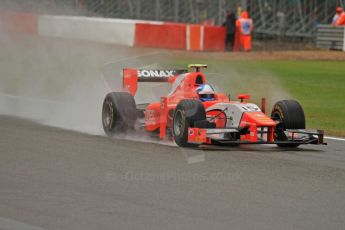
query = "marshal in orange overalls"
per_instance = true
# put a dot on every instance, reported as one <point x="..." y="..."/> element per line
<point x="243" y="37"/>
<point x="341" y="19"/>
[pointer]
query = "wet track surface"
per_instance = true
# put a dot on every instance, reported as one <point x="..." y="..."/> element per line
<point x="56" y="179"/>
<point x="52" y="178"/>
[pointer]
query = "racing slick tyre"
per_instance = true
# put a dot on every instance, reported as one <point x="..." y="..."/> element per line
<point x="119" y="113"/>
<point x="290" y="115"/>
<point x="186" y="113"/>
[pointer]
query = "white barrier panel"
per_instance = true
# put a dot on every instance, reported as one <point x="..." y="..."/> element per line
<point x="114" y="31"/>
<point x="330" y="37"/>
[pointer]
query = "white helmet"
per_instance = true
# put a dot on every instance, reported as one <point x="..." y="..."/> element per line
<point x="206" y="92"/>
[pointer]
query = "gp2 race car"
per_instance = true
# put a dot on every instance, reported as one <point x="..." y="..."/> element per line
<point x="192" y="114"/>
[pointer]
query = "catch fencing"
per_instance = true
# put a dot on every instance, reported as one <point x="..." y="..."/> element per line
<point x="280" y="18"/>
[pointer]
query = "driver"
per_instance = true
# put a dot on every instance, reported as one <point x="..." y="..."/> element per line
<point x="205" y="92"/>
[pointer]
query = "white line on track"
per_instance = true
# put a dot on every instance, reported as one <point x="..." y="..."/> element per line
<point x="335" y="138"/>
<point x="29" y="98"/>
<point x="10" y="224"/>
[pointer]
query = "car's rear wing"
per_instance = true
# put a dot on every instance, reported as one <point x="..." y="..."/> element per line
<point x="131" y="77"/>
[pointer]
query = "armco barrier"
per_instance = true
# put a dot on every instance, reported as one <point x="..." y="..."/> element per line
<point x="117" y="31"/>
<point x="171" y="36"/>
<point x="19" y="23"/>
<point x="330" y="37"/>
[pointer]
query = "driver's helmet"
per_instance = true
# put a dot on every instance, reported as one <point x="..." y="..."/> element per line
<point x="205" y="92"/>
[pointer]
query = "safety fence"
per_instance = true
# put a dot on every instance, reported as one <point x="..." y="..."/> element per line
<point x="282" y="18"/>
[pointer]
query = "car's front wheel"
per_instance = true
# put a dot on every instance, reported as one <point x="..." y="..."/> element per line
<point x="187" y="112"/>
<point x="290" y="115"/>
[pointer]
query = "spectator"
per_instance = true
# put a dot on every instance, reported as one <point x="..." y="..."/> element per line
<point x="230" y="26"/>
<point x="244" y="28"/>
<point x="339" y="17"/>
<point x="338" y="12"/>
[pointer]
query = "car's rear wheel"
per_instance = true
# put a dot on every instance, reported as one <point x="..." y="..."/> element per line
<point x="290" y="115"/>
<point x="186" y="113"/>
<point x="119" y="113"/>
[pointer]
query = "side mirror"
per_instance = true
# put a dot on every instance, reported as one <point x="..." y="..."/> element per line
<point x="243" y="97"/>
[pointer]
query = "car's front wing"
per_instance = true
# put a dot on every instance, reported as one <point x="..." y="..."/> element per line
<point x="236" y="136"/>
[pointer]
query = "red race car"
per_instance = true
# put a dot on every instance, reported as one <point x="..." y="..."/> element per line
<point x="193" y="113"/>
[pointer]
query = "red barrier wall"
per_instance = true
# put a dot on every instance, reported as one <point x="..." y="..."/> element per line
<point x="172" y="36"/>
<point x="214" y="38"/>
<point x="19" y="23"/>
